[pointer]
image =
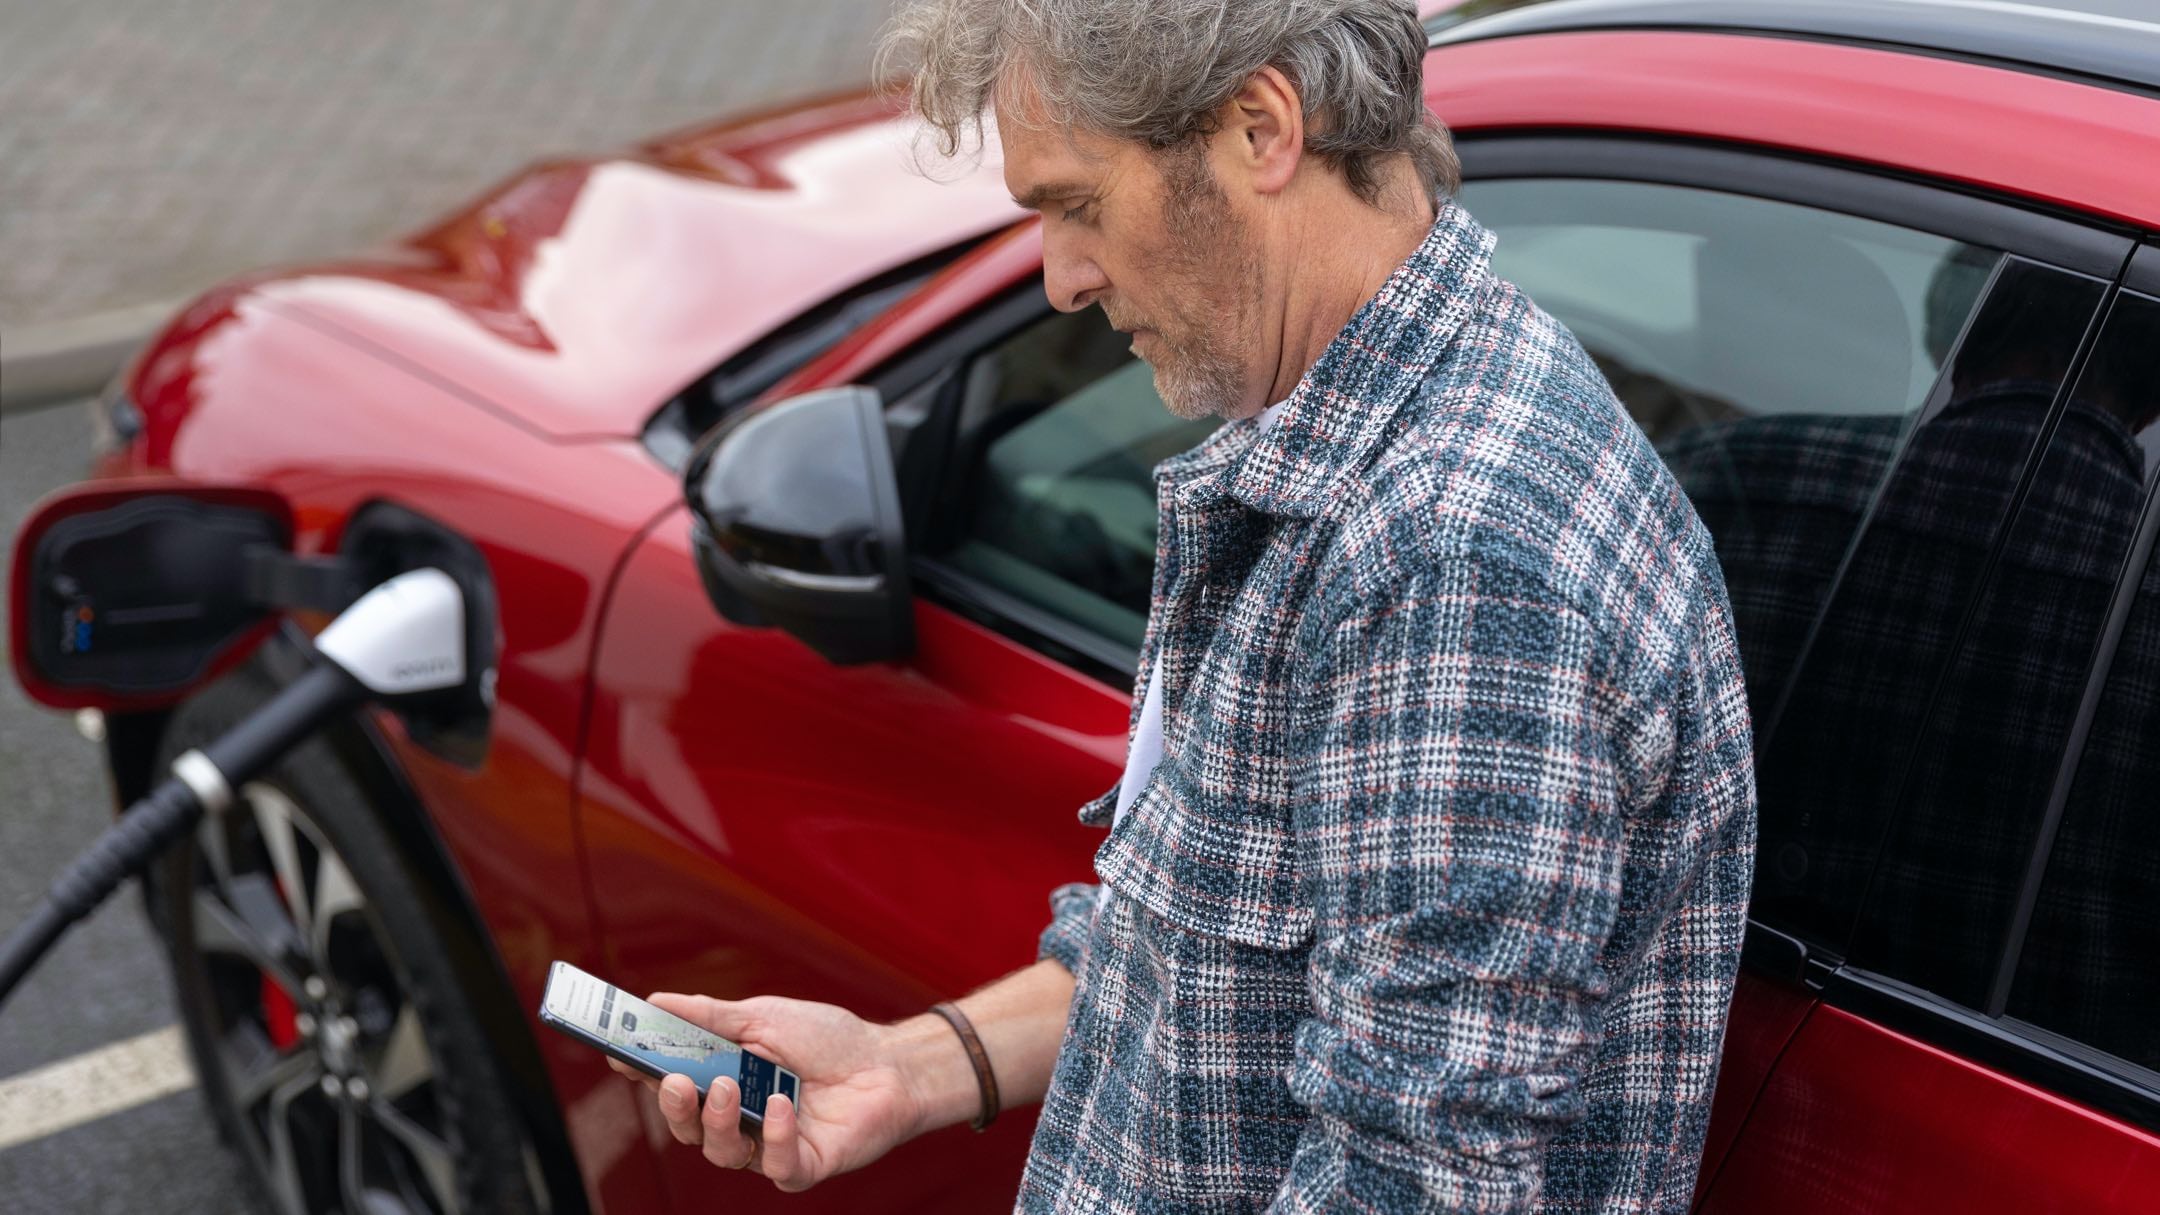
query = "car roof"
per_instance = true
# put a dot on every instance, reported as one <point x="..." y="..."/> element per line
<point x="2116" y="42"/>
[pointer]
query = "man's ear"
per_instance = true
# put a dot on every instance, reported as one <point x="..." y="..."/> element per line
<point x="1265" y="125"/>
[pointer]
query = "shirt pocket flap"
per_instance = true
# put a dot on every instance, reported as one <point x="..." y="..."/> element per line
<point x="1207" y="866"/>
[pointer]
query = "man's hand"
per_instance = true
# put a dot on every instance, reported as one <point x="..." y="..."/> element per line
<point x="865" y="1087"/>
<point x="855" y="1103"/>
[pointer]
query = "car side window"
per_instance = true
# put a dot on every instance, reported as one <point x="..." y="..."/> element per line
<point x="1999" y="717"/>
<point x="672" y="433"/>
<point x="1788" y="363"/>
<point x="1891" y="656"/>
<point x="2089" y="968"/>
<point x="1059" y="434"/>
<point x="1774" y="353"/>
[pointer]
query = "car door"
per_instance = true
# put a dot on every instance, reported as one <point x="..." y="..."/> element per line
<point x="881" y="836"/>
<point x="1989" y="1040"/>
<point x="1859" y="382"/>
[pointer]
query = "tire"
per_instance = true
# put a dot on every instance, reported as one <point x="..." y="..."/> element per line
<point x="335" y="1043"/>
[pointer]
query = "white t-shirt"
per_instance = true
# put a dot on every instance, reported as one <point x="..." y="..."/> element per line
<point x="1147" y="738"/>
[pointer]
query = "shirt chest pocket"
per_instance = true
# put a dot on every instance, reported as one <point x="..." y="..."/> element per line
<point x="1207" y="845"/>
<point x="1208" y="864"/>
<point x="1215" y="943"/>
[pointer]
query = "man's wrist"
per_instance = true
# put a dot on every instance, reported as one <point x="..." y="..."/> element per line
<point x="935" y="1069"/>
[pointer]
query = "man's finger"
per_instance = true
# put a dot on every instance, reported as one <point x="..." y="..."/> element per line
<point x="781" y="1156"/>
<point x="679" y="1105"/>
<point x="632" y="1073"/>
<point x="723" y="1017"/>
<point x="725" y="1144"/>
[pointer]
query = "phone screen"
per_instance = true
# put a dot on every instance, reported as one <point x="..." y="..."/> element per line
<point x="665" y="1041"/>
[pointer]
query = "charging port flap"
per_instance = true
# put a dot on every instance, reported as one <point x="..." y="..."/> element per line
<point x="129" y="597"/>
<point x="385" y="539"/>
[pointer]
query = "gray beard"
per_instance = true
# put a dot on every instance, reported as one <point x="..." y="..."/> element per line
<point x="1200" y="384"/>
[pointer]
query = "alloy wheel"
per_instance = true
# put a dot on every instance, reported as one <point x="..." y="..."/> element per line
<point x="313" y="1021"/>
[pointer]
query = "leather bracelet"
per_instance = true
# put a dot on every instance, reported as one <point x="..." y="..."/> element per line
<point x="985" y="1080"/>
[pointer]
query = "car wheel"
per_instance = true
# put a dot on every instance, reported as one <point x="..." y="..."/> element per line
<point x="331" y="1034"/>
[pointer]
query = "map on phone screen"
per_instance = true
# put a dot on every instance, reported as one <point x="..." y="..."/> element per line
<point x="671" y="1044"/>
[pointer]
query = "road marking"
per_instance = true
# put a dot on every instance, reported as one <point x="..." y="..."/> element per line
<point x="121" y="1076"/>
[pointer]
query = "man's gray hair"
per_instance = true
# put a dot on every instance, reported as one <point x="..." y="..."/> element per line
<point x="1158" y="71"/>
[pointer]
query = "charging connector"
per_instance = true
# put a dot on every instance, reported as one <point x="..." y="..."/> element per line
<point x="404" y="638"/>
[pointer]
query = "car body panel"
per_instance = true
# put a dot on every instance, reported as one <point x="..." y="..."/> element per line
<point x="1862" y="1118"/>
<point x="878" y="836"/>
<point x="2052" y="141"/>
<point x="241" y="394"/>
<point x="1765" y="1015"/>
<point x="1000" y="264"/>
<point x="584" y="294"/>
<point x="562" y="297"/>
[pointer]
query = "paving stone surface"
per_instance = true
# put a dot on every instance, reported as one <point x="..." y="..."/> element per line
<point x="151" y="147"/>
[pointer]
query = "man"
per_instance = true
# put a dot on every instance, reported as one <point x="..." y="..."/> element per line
<point x="1428" y="871"/>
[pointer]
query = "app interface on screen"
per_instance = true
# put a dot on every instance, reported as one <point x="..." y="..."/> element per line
<point x="671" y="1043"/>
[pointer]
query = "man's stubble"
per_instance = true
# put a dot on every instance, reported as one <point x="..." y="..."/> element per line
<point x="1211" y="272"/>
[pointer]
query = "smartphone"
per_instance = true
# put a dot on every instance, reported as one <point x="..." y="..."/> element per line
<point x="655" y="1042"/>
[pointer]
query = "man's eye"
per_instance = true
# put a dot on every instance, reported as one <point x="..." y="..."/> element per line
<point x="1079" y="214"/>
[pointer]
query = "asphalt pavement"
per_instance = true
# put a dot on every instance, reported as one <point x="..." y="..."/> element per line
<point x="105" y="982"/>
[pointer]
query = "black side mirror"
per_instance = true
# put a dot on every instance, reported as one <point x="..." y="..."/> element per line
<point x="797" y="524"/>
<point x="130" y="595"/>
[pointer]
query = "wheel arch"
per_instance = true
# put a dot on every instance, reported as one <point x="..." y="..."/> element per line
<point x="362" y="757"/>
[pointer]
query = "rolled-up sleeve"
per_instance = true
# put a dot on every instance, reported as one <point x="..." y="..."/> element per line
<point x="1459" y="840"/>
<point x="1072" y="917"/>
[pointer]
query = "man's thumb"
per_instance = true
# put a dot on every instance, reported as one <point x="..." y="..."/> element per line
<point x="723" y="1017"/>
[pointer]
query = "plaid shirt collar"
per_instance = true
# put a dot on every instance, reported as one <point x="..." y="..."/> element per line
<point x="1344" y="404"/>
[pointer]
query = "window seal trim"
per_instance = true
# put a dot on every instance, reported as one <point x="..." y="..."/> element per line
<point x="2143" y="276"/>
<point x="1776" y="954"/>
<point x="1871" y="192"/>
<point x="1107" y="660"/>
<point x="2047" y="1060"/>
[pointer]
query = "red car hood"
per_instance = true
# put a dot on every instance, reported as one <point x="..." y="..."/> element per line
<point x="581" y="295"/>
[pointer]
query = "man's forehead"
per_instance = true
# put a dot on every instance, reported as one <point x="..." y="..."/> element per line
<point x="1042" y="166"/>
<point x="1015" y="99"/>
<point x="1043" y="157"/>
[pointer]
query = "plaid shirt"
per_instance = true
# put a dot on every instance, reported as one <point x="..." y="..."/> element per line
<point x="1436" y="898"/>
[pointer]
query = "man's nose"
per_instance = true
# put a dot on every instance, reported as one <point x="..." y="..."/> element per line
<point x="1071" y="279"/>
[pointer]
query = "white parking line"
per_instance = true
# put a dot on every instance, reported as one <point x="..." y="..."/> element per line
<point x="91" y="1085"/>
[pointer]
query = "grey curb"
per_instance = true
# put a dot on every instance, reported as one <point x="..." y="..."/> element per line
<point x="44" y="365"/>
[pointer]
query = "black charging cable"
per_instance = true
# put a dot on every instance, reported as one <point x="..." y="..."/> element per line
<point x="202" y="780"/>
<point x="405" y="637"/>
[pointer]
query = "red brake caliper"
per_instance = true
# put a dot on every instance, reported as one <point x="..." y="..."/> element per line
<point x="278" y="1015"/>
<point x="278" y="1008"/>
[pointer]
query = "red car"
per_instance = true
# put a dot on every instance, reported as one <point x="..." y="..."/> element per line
<point x="1875" y="275"/>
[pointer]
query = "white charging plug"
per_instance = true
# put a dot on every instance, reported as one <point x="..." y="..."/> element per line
<point x="407" y="635"/>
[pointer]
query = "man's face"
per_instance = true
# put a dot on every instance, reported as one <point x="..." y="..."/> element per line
<point x="1151" y="237"/>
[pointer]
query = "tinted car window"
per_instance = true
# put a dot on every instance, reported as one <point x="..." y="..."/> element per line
<point x="1998" y="720"/>
<point x="1060" y="433"/>
<point x="673" y="432"/>
<point x="2090" y="964"/>
<point x="1774" y="353"/>
<point x="1788" y="364"/>
<point x="1841" y="752"/>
